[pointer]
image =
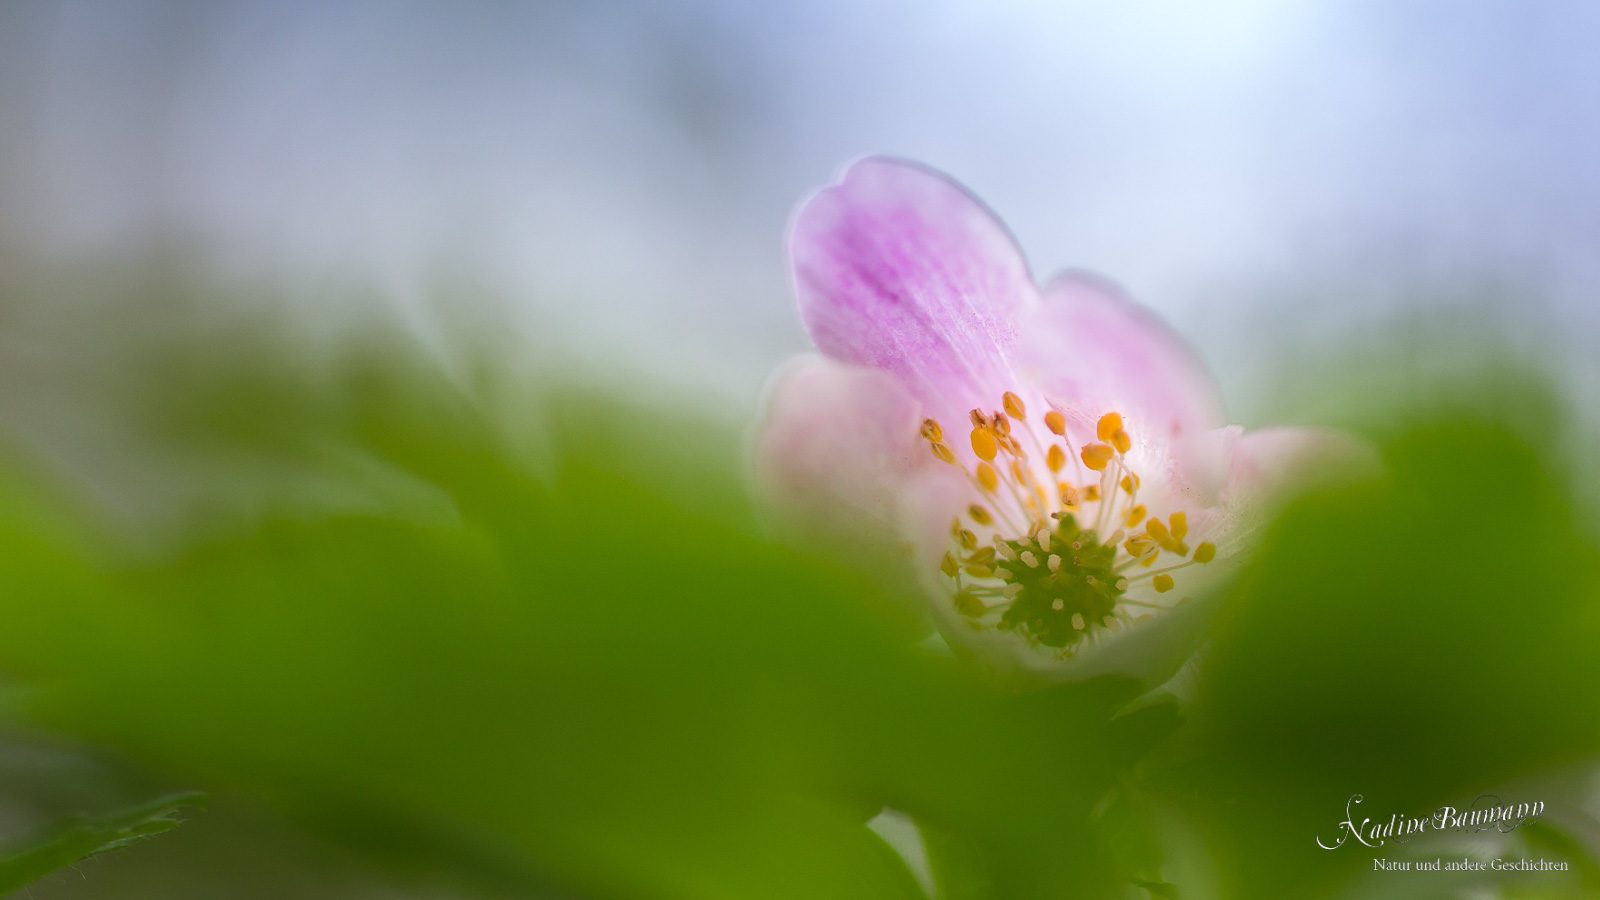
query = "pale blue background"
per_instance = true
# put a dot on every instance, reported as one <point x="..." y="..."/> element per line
<point x="1264" y="174"/>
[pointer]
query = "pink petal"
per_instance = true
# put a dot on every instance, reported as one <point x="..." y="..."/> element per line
<point x="834" y="448"/>
<point x="899" y="268"/>
<point x="1091" y="350"/>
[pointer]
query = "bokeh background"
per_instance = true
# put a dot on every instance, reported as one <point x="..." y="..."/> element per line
<point x="276" y="276"/>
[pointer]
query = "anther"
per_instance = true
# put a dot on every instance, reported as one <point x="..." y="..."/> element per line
<point x="983" y="443"/>
<point x="1109" y="424"/>
<point x="1095" y="456"/>
<point x="969" y="605"/>
<point x="944" y="453"/>
<point x="1136" y="515"/>
<point x="967" y="539"/>
<point x="1091" y="493"/>
<point x="1014" y="407"/>
<point x="1162" y="583"/>
<point x="1000" y="424"/>
<point x="1180" y="525"/>
<point x="1205" y="553"/>
<point x="1056" y="422"/>
<point x="1121" y="441"/>
<point x="979" y="514"/>
<point x="1130" y="483"/>
<point x="932" y="431"/>
<point x="979" y="571"/>
<point x="987" y="478"/>
<point x="1055" y="458"/>
<point x="1069" y="495"/>
<point x="948" y="565"/>
<point x="977" y="418"/>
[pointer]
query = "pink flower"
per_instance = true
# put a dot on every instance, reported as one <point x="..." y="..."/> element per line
<point x="1056" y="458"/>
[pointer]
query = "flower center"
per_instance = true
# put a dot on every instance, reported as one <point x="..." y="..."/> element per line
<point x="1064" y="558"/>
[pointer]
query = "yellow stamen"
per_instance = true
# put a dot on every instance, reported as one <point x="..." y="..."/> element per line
<point x="1157" y="529"/>
<point x="1069" y="495"/>
<point x="978" y="419"/>
<point x="979" y="514"/>
<point x="948" y="565"/>
<point x="944" y="453"/>
<point x="1056" y="422"/>
<point x="977" y="571"/>
<point x="967" y="539"/>
<point x="1205" y="553"/>
<point x="1136" y="515"/>
<point x="1091" y="493"/>
<point x="1130" y="483"/>
<point x="987" y="477"/>
<point x="932" y="431"/>
<point x="1121" y="441"/>
<point x="1162" y="583"/>
<point x="1180" y="525"/>
<point x="1109" y="424"/>
<point x="1096" y="456"/>
<point x="983" y="443"/>
<point x="1056" y="458"/>
<point x="1014" y="407"/>
<point x="969" y="605"/>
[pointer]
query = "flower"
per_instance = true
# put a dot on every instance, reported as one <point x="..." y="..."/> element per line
<point x="1055" y="456"/>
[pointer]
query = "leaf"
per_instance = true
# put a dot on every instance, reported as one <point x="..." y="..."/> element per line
<point x="80" y="838"/>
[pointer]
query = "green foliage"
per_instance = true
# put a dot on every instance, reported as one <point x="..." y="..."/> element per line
<point x="77" y="839"/>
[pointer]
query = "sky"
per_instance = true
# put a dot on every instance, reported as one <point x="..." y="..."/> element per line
<point x="619" y="174"/>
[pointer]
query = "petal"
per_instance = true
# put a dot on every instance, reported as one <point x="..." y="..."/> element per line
<point x="899" y="268"/>
<point x="1270" y="466"/>
<point x="1090" y="350"/>
<point x="834" y="447"/>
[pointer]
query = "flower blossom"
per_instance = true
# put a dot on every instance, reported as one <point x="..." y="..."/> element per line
<point x="1056" y="458"/>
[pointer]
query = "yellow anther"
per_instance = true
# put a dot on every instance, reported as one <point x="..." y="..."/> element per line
<point x="977" y="571"/>
<point x="944" y="453"/>
<point x="1137" y="547"/>
<point x="983" y="556"/>
<point x="1096" y="456"/>
<point x="1055" y="458"/>
<point x="969" y="605"/>
<point x="987" y="478"/>
<point x="932" y="431"/>
<point x="967" y="539"/>
<point x="1000" y="424"/>
<point x="1109" y="424"/>
<point x="1129" y="484"/>
<point x="983" y="443"/>
<point x="955" y="526"/>
<point x="1056" y="422"/>
<point x="1069" y="495"/>
<point x="948" y="565"/>
<point x="978" y="419"/>
<point x="1157" y="529"/>
<point x="1091" y="493"/>
<point x="1180" y="524"/>
<point x="1016" y="472"/>
<point x="1162" y="583"/>
<point x="1014" y="407"/>
<point x="1205" y="553"/>
<point x="1121" y="441"/>
<point x="1178" y="547"/>
<point x="1136" y="515"/>
<point x="979" y="514"/>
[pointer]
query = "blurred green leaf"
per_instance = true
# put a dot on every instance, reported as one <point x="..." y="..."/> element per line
<point x="78" y="839"/>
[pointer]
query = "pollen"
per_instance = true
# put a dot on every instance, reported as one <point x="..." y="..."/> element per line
<point x="1013" y="406"/>
<point x="1055" y="458"/>
<point x="1109" y="424"/>
<point x="987" y="477"/>
<point x="984" y="444"/>
<point x="1096" y="456"/>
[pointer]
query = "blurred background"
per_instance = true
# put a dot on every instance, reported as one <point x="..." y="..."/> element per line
<point x="268" y="269"/>
<point x="622" y="172"/>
